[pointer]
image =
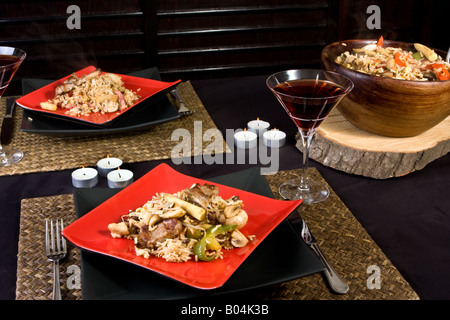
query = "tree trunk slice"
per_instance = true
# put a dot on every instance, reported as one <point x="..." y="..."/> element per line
<point x="340" y="145"/>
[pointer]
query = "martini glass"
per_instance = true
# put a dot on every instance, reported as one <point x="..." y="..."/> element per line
<point x="307" y="96"/>
<point x="10" y="60"/>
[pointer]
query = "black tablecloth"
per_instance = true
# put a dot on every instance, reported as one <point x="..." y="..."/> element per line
<point x="408" y="217"/>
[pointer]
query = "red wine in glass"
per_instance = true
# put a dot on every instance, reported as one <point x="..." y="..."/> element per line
<point x="10" y="60"/>
<point x="9" y="65"/>
<point x="308" y="113"/>
<point x="307" y="96"/>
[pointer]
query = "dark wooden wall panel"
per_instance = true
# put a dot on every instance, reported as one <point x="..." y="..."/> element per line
<point x="112" y="36"/>
<point x="229" y="41"/>
<point x="225" y="5"/>
<point x="201" y="39"/>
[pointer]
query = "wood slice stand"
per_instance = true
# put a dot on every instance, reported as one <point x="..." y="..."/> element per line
<point x="340" y="145"/>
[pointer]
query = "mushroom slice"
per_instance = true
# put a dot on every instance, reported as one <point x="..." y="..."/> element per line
<point x="232" y="210"/>
<point x="150" y="219"/>
<point x="118" y="229"/>
<point x="240" y="219"/>
<point x="238" y="240"/>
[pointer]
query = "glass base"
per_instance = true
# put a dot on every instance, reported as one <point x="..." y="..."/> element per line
<point x="316" y="192"/>
<point x="9" y="156"/>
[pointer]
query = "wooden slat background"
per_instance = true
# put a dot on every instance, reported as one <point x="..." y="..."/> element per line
<point x="201" y="39"/>
<point x="240" y="38"/>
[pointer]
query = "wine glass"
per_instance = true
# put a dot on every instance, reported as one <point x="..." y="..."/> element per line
<point x="10" y="60"/>
<point x="307" y="96"/>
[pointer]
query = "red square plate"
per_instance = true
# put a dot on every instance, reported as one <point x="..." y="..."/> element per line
<point x="90" y="232"/>
<point x="148" y="88"/>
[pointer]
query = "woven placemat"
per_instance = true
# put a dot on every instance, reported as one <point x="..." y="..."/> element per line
<point x="343" y="240"/>
<point x="34" y="271"/>
<point x="48" y="153"/>
<point x="348" y="247"/>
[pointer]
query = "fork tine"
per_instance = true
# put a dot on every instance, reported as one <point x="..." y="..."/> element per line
<point x="63" y="240"/>
<point x="58" y="237"/>
<point x="54" y="241"/>
<point x="52" y="237"/>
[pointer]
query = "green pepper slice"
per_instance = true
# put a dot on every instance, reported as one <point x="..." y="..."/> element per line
<point x="211" y="233"/>
<point x="417" y="55"/>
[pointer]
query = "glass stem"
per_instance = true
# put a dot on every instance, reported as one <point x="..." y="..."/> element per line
<point x="306" y="143"/>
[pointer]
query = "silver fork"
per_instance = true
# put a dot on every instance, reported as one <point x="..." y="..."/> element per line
<point x="183" y="110"/>
<point x="335" y="281"/>
<point x="55" y="249"/>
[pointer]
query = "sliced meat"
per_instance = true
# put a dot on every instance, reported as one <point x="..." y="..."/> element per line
<point x="73" y="81"/>
<point x="89" y="76"/>
<point x="167" y="229"/>
<point x="67" y="85"/>
<point x="197" y="197"/>
<point x="201" y="194"/>
<point x="172" y="228"/>
<point x="209" y="189"/>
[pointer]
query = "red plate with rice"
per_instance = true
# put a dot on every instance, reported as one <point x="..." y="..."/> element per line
<point x="90" y="232"/>
<point x="145" y="88"/>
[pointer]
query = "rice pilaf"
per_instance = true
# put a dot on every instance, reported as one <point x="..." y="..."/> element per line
<point x="193" y="224"/>
<point x="396" y="63"/>
<point x="92" y="93"/>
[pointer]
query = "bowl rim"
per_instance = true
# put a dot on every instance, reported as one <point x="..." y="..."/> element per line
<point x="325" y="55"/>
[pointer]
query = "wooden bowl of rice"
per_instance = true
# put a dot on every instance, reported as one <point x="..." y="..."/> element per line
<point x="385" y="106"/>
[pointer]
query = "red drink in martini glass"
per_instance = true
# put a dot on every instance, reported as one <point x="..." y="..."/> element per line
<point x="307" y="96"/>
<point x="10" y="60"/>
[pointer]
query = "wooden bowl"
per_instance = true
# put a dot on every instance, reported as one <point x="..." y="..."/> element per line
<point x="385" y="106"/>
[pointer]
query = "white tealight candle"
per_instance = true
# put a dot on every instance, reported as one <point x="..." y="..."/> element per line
<point x="258" y="126"/>
<point x="85" y="178"/>
<point x="274" y="138"/>
<point x="120" y="178"/>
<point x="106" y="165"/>
<point x="245" y="139"/>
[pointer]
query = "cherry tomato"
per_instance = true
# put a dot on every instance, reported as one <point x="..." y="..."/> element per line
<point x="441" y="71"/>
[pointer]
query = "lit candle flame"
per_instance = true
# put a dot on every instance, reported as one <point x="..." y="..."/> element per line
<point x="274" y="135"/>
